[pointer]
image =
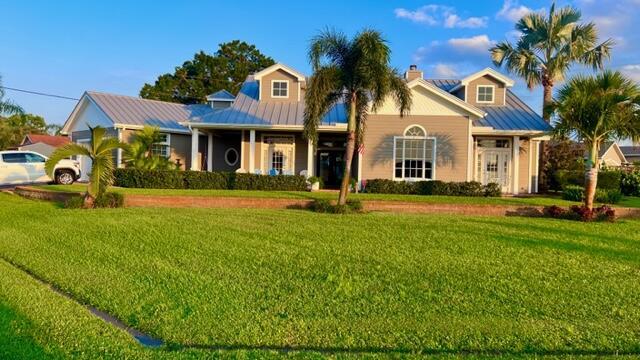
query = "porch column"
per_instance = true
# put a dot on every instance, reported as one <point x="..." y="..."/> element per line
<point x="194" y="149"/>
<point x="210" y="151"/>
<point x="537" y="167"/>
<point x="119" y="151"/>
<point x="515" y="161"/>
<point x="310" y="154"/>
<point x="530" y="175"/>
<point x="252" y="151"/>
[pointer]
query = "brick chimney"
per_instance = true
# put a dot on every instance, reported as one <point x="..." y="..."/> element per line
<point x="413" y="73"/>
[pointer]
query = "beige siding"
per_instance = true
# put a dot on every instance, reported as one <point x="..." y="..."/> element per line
<point x="612" y="158"/>
<point x="499" y="93"/>
<point x="524" y="172"/>
<point x="451" y="132"/>
<point x="424" y="102"/>
<point x="265" y="86"/>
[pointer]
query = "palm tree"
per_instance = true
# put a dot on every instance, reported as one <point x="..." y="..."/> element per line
<point x="100" y="151"/>
<point x="548" y="47"/>
<point x="139" y="154"/>
<point x="597" y="109"/>
<point x="354" y="71"/>
<point x="7" y="107"/>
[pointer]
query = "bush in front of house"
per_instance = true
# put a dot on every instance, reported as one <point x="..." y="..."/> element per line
<point x="605" y="196"/>
<point x="581" y="213"/>
<point x="106" y="200"/>
<point x="630" y="183"/>
<point x="326" y="206"/>
<point x="607" y="179"/>
<point x="435" y="187"/>
<point x="573" y="193"/>
<point x="158" y="179"/>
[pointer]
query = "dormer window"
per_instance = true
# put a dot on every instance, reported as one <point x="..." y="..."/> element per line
<point x="279" y="88"/>
<point x="485" y="94"/>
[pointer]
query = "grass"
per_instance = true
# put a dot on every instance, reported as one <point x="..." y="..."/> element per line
<point x="287" y="278"/>
<point x="524" y="201"/>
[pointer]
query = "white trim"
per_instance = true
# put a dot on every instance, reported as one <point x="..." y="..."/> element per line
<point x="119" y="151"/>
<point x="530" y="166"/>
<point x="265" y="167"/>
<point x="195" y="134"/>
<point x="166" y="142"/>
<point x="310" y="156"/>
<point x="299" y="88"/>
<point x="226" y="153"/>
<point x="414" y="125"/>
<point x="280" y="82"/>
<point x="487" y="130"/>
<point x="279" y="66"/>
<point x="329" y="128"/>
<point x="242" y="149"/>
<point x="252" y="151"/>
<point x="447" y="96"/>
<point x="493" y="94"/>
<point x="537" y="171"/>
<point x="516" y="164"/>
<point x="470" y="153"/>
<point x="433" y="162"/>
<point x="161" y="129"/>
<point x="209" y="151"/>
<point x="508" y="82"/>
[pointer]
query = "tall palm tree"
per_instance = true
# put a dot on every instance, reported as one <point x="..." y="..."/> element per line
<point x="549" y="45"/>
<point x="598" y="109"/>
<point x="354" y="71"/>
<point x="7" y="107"/>
<point x="100" y="151"/>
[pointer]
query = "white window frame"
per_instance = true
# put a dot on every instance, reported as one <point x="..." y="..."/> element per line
<point x="493" y="94"/>
<point x="434" y="156"/>
<point x="266" y="165"/>
<point x="166" y="143"/>
<point x="273" y="82"/>
<point x="226" y="153"/>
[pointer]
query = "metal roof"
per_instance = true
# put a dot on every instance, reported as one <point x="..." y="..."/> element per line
<point x="248" y="111"/>
<point x="128" y="110"/>
<point x="221" y="95"/>
<point x="514" y="115"/>
<point x="630" y="150"/>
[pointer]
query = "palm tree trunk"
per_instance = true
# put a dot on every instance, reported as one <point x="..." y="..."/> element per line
<point x="348" y="152"/>
<point x="88" y="201"/>
<point x="547" y="87"/>
<point x="591" y="177"/>
<point x="547" y="99"/>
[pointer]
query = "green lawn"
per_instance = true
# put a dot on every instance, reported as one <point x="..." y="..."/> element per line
<point x="524" y="201"/>
<point x="291" y="278"/>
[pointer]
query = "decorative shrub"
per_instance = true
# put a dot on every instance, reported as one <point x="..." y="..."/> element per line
<point x="573" y="193"/>
<point x="608" y="196"/>
<point x="325" y="206"/>
<point x="630" y="183"/>
<point x="581" y="213"/>
<point x="609" y="179"/>
<point x="321" y="206"/>
<point x="355" y="205"/>
<point x="554" y="211"/>
<point x="109" y="200"/>
<point x="435" y="187"/>
<point x="564" y="178"/>
<point x="153" y="179"/>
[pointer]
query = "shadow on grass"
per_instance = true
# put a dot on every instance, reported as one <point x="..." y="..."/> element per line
<point x="14" y="343"/>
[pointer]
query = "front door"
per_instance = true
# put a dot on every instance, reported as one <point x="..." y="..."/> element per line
<point x="330" y="167"/>
<point x="493" y="165"/>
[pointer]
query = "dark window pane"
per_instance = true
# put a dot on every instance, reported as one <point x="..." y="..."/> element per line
<point x="14" y="158"/>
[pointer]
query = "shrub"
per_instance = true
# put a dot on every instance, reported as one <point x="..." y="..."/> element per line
<point x="609" y="179"/>
<point x="109" y="200"/>
<point x="74" y="202"/>
<point x="630" y="183"/>
<point x="564" y="178"/>
<point x="149" y="179"/>
<point x="608" y="196"/>
<point x="355" y="205"/>
<point x="573" y="193"/>
<point x="267" y="182"/>
<point x="435" y="187"/>
<point x="554" y="211"/>
<point x="325" y="206"/>
<point x="321" y="206"/>
<point x="207" y="180"/>
<point x="386" y="186"/>
<point x="492" y="190"/>
<point x="581" y="213"/>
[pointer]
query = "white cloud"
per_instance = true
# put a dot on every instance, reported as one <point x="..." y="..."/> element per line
<point x="475" y="44"/>
<point x="433" y="15"/>
<point x="513" y="11"/>
<point x="632" y="71"/>
<point x="445" y="71"/>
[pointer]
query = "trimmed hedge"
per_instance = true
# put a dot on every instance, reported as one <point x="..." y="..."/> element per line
<point x="159" y="179"/>
<point x="631" y="183"/>
<point x="436" y="187"/>
<point x="607" y="179"/>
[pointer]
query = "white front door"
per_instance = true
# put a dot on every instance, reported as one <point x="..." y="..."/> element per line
<point x="493" y="166"/>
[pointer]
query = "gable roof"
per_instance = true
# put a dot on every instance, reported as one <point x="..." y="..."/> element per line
<point x="447" y="96"/>
<point x="136" y="112"/>
<point x="55" y="141"/>
<point x="486" y="71"/>
<point x="630" y="150"/>
<point x="221" y="95"/>
<point x="275" y="67"/>
<point x="513" y="116"/>
<point x="247" y="110"/>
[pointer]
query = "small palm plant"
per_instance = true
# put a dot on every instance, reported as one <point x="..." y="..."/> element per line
<point x="139" y="154"/>
<point x="597" y="109"/>
<point x="354" y="71"/>
<point x="100" y="151"/>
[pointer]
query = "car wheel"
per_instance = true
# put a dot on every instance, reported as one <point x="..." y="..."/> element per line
<point x="64" y="177"/>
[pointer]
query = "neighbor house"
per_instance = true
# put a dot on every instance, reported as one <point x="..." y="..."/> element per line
<point x="611" y="156"/>
<point x="631" y="153"/>
<point x="473" y="128"/>
<point x="42" y="143"/>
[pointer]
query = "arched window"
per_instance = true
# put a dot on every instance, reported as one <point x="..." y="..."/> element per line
<point x="414" y="155"/>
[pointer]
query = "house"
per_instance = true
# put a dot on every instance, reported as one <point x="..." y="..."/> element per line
<point x="473" y="128"/>
<point x="631" y="153"/>
<point x="611" y="155"/>
<point x="42" y="144"/>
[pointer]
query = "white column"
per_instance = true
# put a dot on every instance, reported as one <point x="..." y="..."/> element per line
<point x="310" y="154"/>
<point x="537" y="167"/>
<point x="530" y="177"/>
<point x="359" y="183"/>
<point x="119" y="151"/>
<point x="252" y="151"/>
<point x="470" y="153"/>
<point x="515" y="161"/>
<point x="210" y="151"/>
<point x="195" y="134"/>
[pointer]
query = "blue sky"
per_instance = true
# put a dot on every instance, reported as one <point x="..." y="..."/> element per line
<point x="67" y="47"/>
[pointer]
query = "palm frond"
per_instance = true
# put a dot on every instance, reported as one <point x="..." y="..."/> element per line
<point x="324" y="90"/>
<point x="328" y="44"/>
<point x="68" y="150"/>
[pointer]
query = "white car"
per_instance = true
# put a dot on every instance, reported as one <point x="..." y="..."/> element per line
<point x="24" y="167"/>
